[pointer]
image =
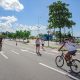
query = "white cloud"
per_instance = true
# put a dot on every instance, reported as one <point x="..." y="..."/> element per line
<point x="76" y="34"/>
<point x="34" y="29"/>
<point x="6" y="23"/>
<point x="9" y="24"/>
<point x="8" y="19"/>
<point x="29" y="27"/>
<point x="21" y="27"/>
<point x="11" y="5"/>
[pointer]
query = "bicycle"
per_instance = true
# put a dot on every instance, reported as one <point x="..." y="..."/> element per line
<point x="73" y="63"/>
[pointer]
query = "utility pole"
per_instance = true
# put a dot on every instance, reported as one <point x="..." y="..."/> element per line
<point x="38" y="26"/>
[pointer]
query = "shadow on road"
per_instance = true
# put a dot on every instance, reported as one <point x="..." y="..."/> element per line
<point x="72" y="73"/>
<point x="75" y="75"/>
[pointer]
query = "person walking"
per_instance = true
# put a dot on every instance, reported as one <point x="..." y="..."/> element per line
<point x="37" y="42"/>
<point x="16" y="43"/>
<point x="0" y="44"/>
<point x="42" y="43"/>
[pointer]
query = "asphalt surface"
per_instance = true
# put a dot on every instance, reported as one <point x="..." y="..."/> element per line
<point x="22" y="63"/>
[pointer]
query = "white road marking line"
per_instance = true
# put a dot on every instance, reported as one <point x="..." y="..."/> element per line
<point x="64" y="73"/>
<point x="55" y="51"/>
<point x="35" y="53"/>
<point x="24" y="50"/>
<point x="52" y="68"/>
<point x="3" y="55"/>
<point x="14" y="52"/>
<point x="49" y="53"/>
<point x="27" y="51"/>
<point x="32" y="52"/>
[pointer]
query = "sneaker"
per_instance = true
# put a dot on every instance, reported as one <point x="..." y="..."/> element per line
<point x="39" y="54"/>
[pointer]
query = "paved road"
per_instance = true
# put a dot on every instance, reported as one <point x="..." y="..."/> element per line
<point x="21" y="63"/>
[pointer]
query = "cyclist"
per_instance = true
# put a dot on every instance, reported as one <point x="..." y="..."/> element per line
<point x="71" y="47"/>
<point x="38" y="46"/>
<point x="0" y="44"/>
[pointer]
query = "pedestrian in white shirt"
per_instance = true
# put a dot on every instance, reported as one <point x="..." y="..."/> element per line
<point x="37" y="42"/>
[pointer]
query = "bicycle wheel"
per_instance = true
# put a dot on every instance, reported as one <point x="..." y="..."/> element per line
<point x="75" y="66"/>
<point x="59" y="61"/>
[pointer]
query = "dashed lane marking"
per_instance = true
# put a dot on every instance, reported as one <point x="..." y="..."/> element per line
<point x="55" y="51"/>
<point x="14" y="52"/>
<point x="27" y="51"/>
<point x="3" y="55"/>
<point x="49" y="53"/>
<point x="24" y="50"/>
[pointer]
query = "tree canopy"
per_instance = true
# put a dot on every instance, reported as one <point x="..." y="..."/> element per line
<point x="59" y="16"/>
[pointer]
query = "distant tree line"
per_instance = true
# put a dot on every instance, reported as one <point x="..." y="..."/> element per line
<point x="17" y="35"/>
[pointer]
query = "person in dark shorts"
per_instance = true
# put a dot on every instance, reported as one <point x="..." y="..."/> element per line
<point x="71" y="48"/>
<point x="0" y="44"/>
<point x="37" y="42"/>
<point x="16" y="42"/>
<point x="42" y="42"/>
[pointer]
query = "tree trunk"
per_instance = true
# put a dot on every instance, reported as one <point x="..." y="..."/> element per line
<point x="60" y="34"/>
<point x="72" y="31"/>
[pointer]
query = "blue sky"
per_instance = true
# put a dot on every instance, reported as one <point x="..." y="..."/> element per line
<point x="23" y="14"/>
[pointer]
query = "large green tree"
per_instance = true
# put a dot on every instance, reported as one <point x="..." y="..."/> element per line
<point x="59" y="16"/>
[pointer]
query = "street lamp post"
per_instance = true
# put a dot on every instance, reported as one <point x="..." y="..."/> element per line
<point x="38" y="30"/>
<point x="38" y="25"/>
